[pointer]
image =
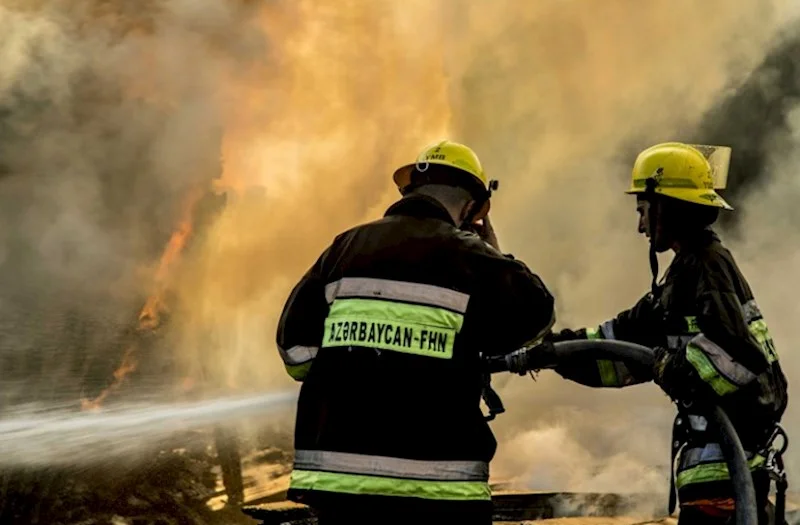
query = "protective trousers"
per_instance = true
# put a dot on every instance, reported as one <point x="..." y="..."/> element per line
<point x="404" y="515"/>
<point x="692" y="515"/>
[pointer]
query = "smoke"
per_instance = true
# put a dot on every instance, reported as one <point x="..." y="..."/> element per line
<point x="317" y="126"/>
<point x="110" y="117"/>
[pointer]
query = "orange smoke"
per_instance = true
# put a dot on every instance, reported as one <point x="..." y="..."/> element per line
<point x="154" y="307"/>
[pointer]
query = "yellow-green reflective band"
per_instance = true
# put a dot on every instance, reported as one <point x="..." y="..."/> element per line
<point x="711" y="472"/>
<point x="667" y="183"/>
<point x="299" y="372"/>
<point x="381" y="486"/>
<point x="594" y="333"/>
<point x="707" y="371"/>
<point x="608" y="373"/>
<point x="691" y="325"/>
<point x="761" y="333"/>
<point x="408" y="328"/>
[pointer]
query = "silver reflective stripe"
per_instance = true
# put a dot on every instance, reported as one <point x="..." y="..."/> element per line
<point x="723" y="362"/>
<point x="608" y="329"/>
<point x="698" y="423"/>
<point x="347" y="463"/>
<point x="710" y="453"/>
<point x="297" y="355"/>
<point x="370" y="288"/>
<point x="677" y="342"/>
<point x="624" y="376"/>
<point x="751" y="311"/>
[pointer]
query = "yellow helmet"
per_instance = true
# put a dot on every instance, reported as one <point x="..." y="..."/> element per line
<point x="445" y="153"/>
<point x="686" y="172"/>
<point x="454" y="155"/>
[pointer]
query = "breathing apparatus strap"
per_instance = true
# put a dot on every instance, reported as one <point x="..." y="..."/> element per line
<point x="651" y="224"/>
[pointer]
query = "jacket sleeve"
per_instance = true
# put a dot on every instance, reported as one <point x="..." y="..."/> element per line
<point x="518" y="308"/>
<point x="634" y="325"/>
<point x="301" y="325"/>
<point x="724" y="355"/>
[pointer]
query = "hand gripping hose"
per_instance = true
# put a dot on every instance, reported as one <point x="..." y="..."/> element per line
<point x="551" y="355"/>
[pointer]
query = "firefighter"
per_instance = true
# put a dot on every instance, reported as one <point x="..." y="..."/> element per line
<point x="387" y="332"/>
<point x="711" y="340"/>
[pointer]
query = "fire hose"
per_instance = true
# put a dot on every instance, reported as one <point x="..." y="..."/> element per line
<point x="551" y="355"/>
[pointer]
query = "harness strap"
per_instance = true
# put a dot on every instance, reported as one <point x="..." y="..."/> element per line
<point x="777" y="472"/>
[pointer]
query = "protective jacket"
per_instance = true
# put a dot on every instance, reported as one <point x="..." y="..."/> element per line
<point x="718" y="347"/>
<point x="386" y="332"/>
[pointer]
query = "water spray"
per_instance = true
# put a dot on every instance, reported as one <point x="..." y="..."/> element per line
<point x="31" y="437"/>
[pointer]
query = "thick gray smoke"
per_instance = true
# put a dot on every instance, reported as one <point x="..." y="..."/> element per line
<point x="766" y="237"/>
<point x="108" y="117"/>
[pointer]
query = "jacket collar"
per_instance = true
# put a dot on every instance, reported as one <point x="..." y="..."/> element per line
<point x="699" y="240"/>
<point x="420" y="206"/>
<point x="697" y="243"/>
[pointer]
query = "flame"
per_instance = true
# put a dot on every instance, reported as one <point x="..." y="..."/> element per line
<point x="154" y="307"/>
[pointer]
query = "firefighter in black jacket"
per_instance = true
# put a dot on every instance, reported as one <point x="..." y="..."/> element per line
<point x="386" y="331"/>
<point x="711" y="339"/>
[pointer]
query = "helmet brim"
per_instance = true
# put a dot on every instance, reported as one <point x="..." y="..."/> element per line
<point x="717" y="202"/>
<point x="402" y="176"/>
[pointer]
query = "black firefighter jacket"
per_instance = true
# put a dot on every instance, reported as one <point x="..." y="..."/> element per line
<point x="719" y="348"/>
<point x="386" y="331"/>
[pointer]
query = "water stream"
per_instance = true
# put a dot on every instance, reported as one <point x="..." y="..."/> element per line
<point x="38" y="437"/>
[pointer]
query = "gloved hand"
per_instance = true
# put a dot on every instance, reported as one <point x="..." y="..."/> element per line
<point x="674" y="379"/>
<point x="485" y="231"/>
<point x="564" y="335"/>
<point x="534" y="358"/>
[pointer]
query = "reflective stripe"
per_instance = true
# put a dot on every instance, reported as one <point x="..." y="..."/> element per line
<point x="751" y="311"/>
<point x="375" y="485"/>
<point x="710" y="452"/>
<point x="701" y="465"/>
<point x="297" y="355"/>
<point x="698" y="423"/>
<point x="407" y="328"/>
<point x="691" y="324"/>
<point x="408" y="292"/>
<point x="668" y="183"/>
<point x="391" y="467"/>
<point x="608" y="374"/>
<point x="624" y="376"/>
<point x="760" y="331"/>
<point x="723" y="362"/>
<point x="299" y="372"/>
<point x="593" y="333"/>
<point x="614" y="373"/>
<point x="678" y="342"/>
<point x="707" y="372"/>
<point x="608" y="329"/>
<point x="758" y="327"/>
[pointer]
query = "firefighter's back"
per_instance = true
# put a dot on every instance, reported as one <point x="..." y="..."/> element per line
<point x="389" y="413"/>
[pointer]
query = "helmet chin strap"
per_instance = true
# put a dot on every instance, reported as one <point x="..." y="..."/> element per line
<point x="651" y="224"/>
